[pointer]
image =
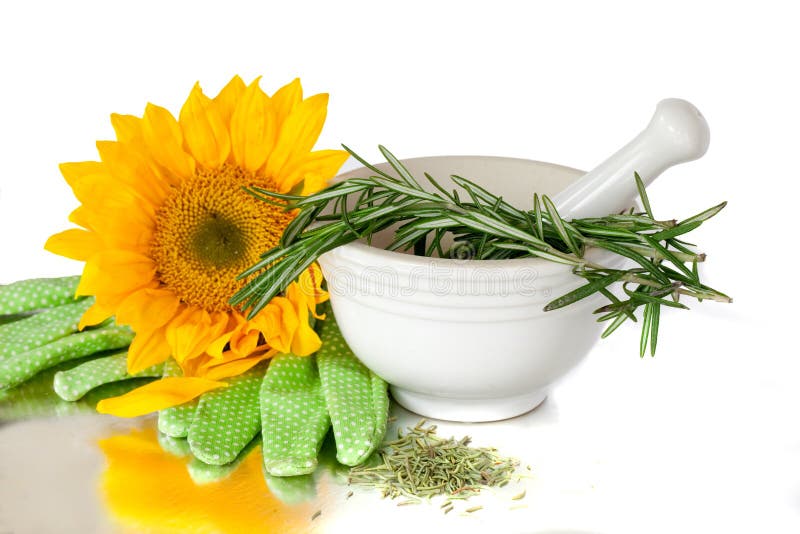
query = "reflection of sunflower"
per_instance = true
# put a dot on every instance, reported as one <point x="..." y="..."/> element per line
<point x="149" y="490"/>
<point x="166" y="228"/>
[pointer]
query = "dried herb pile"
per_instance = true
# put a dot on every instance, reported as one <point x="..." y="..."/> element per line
<point x="420" y="464"/>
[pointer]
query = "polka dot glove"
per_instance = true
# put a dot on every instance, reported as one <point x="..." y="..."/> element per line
<point x="38" y="330"/>
<point x="73" y="384"/>
<point x="356" y="397"/>
<point x="20" y="367"/>
<point x="175" y="421"/>
<point x="227" y="419"/>
<point x="36" y="294"/>
<point x="294" y="417"/>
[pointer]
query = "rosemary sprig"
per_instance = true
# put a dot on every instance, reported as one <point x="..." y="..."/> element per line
<point x="665" y="267"/>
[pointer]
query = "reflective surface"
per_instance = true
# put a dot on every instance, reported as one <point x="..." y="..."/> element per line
<point x="669" y="444"/>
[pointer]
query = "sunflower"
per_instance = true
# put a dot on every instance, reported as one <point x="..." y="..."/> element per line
<point x="166" y="227"/>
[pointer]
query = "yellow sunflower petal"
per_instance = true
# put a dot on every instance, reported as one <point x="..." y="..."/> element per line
<point x="81" y="216"/>
<point x="148" y="309"/>
<point x="227" y="98"/>
<point x="148" y="348"/>
<point x="127" y="127"/>
<point x="237" y="366"/>
<point x="286" y="98"/>
<point x="253" y="128"/>
<point x="190" y="333"/>
<point x="299" y="133"/>
<point x="217" y="347"/>
<point x="127" y="166"/>
<point x="245" y="343"/>
<point x="278" y="323"/>
<point x="320" y="166"/>
<point x="157" y="395"/>
<point x="304" y="341"/>
<point x="76" y="244"/>
<point x="115" y="272"/>
<point x="96" y="314"/>
<point x="73" y="171"/>
<point x="204" y="130"/>
<point x="162" y="134"/>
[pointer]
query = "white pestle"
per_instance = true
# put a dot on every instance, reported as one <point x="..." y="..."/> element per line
<point x="677" y="133"/>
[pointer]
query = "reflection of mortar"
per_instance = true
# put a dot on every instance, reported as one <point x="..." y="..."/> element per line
<point x="458" y="339"/>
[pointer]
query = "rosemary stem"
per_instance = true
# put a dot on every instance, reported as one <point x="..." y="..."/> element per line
<point x="663" y="269"/>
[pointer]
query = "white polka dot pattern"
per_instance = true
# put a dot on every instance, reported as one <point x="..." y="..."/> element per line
<point x="36" y="294"/>
<point x="357" y="400"/>
<point x="21" y="367"/>
<point x="40" y="329"/>
<point x="227" y="419"/>
<point x="294" y="418"/>
<point x="73" y="384"/>
<point x="175" y="421"/>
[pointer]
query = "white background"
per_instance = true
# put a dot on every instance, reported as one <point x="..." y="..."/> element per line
<point x="706" y="436"/>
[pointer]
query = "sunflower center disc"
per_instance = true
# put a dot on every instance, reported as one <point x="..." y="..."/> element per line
<point x="209" y="230"/>
<point x="218" y="242"/>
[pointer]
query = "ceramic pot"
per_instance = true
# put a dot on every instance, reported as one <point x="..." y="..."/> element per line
<point x="462" y="339"/>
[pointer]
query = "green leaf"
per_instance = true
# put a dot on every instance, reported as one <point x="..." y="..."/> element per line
<point x="538" y="253"/>
<point x="646" y="319"/>
<point x="705" y="215"/>
<point x="654" y="318"/>
<point x="666" y="254"/>
<point x="613" y="326"/>
<point x="537" y="211"/>
<point x="682" y="228"/>
<point x="399" y="167"/>
<point x="649" y="299"/>
<point x="584" y="291"/>
<point x="635" y="256"/>
<point x="558" y="224"/>
<point x="367" y="165"/>
<point x="643" y="195"/>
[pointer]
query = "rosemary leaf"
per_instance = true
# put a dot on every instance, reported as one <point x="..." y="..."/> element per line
<point x="584" y="291"/>
<point x="493" y="229"/>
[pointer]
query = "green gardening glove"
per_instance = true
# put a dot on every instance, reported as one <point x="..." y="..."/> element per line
<point x="19" y="368"/>
<point x="356" y="398"/>
<point x="74" y="383"/>
<point x="227" y="419"/>
<point x="38" y="330"/>
<point x="294" y="417"/>
<point x="203" y="473"/>
<point x="43" y="331"/>
<point x="37" y="294"/>
<point x="175" y="421"/>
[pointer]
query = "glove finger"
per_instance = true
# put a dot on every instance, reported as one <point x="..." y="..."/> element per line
<point x="294" y="418"/>
<point x="73" y="384"/>
<point x="227" y="420"/>
<point x="36" y="294"/>
<point x="176" y="420"/>
<point x="203" y="473"/>
<point x="353" y="396"/>
<point x="21" y="367"/>
<point x="40" y="329"/>
<point x="380" y="407"/>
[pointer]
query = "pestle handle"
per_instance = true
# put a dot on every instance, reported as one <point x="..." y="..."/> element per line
<point x="677" y="133"/>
